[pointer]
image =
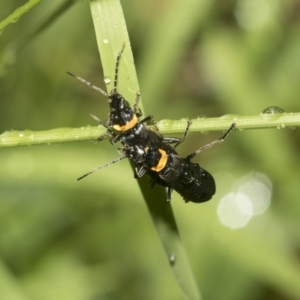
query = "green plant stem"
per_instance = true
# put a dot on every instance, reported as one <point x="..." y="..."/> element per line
<point x="166" y="127"/>
<point x="262" y="121"/>
<point x="19" y="12"/>
<point x="15" y="138"/>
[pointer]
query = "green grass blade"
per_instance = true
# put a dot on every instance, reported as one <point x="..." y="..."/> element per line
<point x="111" y="33"/>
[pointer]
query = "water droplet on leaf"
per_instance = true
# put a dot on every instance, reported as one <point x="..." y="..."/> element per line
<point x="107" y="79"/>
<point x="273" y="110"/>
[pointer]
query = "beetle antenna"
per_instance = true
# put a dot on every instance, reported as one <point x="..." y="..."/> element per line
<point x="92" y="86"/>
<point x="101" y="167"/>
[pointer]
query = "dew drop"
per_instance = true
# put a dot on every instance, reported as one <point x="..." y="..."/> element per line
<point x="14" y="20"/>
<point x="172" y="259"/>
<point x="107" y="79"/>
<point x="273" y="110"/>
<point x="105" y="41"/>
<point x="184" y="119"/>
<point x="201" y="117"/>
<point x="229" y="117"/>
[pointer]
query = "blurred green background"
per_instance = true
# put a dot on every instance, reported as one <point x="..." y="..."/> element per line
<point x="63" y="239"/>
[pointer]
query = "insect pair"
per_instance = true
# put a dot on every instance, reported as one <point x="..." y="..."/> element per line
<point x="150" y="151"/>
